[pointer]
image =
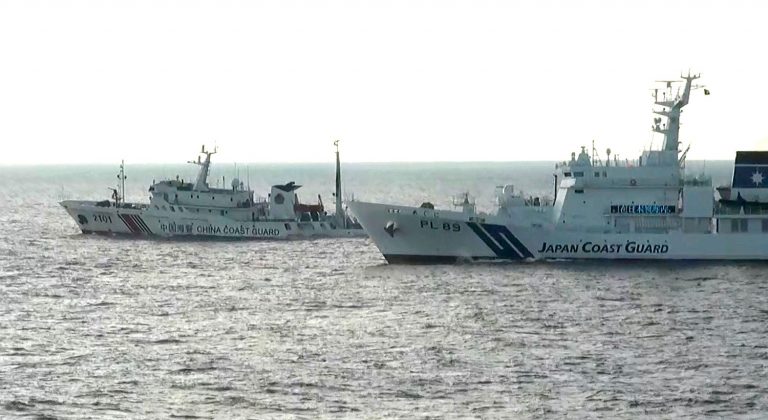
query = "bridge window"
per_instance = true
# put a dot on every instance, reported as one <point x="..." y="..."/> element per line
<point x="287" y="226"/>
<point x="579" y="191"/>
<point x="173" y="209"/>
<point x="597" y="174"/>
<point x="578" y="174"/>
<point x="765" y="225"/>
<point x="566" y="174"/>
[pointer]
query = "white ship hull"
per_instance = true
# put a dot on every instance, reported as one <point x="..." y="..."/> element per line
<point x="645" y="209"/>
<point x="411" y="234"/>
<point x="145" y="221"/>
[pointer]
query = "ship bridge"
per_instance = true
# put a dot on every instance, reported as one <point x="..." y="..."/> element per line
<point x="647" y="194"/>
<point x="177" y="192"/>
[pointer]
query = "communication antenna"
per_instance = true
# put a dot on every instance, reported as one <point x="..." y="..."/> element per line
<point x="341" y="218"/>
<point x="595" y="157"/>
<point x="119" y="194"/>
<point x="681" y="161"/>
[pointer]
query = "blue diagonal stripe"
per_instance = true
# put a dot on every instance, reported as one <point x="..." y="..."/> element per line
<point x="505" y="251"/>
<point x="497" y="231"/>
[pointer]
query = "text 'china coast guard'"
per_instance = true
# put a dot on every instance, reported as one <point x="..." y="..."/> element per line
<point x="642" y="209"/>
<point x="185" y="209"/>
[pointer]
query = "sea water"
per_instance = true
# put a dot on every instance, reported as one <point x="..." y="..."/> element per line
<point x="98" y="327"/>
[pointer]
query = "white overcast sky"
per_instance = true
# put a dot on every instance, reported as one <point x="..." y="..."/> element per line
<point x="149" y="81"/>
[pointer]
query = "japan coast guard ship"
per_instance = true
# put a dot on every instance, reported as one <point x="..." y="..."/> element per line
<point x="182" y="209"/>
<point x="646" y="209"/>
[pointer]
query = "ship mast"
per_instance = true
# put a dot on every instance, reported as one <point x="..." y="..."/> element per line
<point x="672" y="105"/>
<point x="340" y="216"/>
<point x="201" y="184"/>
<point x="120" y="193"/>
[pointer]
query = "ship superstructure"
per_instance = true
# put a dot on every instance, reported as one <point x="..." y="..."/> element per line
<point x="180" y="208"/>
<point x="641" y="209"/>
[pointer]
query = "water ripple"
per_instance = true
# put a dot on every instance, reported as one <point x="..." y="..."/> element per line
<point x="117" y="328"/>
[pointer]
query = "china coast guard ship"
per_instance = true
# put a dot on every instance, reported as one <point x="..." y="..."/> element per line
<point x="184" y="209"/>
<point x="647" y="209"/>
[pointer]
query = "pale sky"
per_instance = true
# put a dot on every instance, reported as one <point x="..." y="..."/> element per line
<point x="150" y="81"/>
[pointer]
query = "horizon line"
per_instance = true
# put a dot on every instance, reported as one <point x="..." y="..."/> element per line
<point x="6" y="164"/>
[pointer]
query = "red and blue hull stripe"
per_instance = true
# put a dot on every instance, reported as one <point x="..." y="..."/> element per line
<point x="135" y="224"/>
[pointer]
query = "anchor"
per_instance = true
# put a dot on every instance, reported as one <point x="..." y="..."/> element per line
<point x="390" y="228"/>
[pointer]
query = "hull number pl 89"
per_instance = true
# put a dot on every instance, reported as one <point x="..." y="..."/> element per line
<point x="437" y="225"/>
